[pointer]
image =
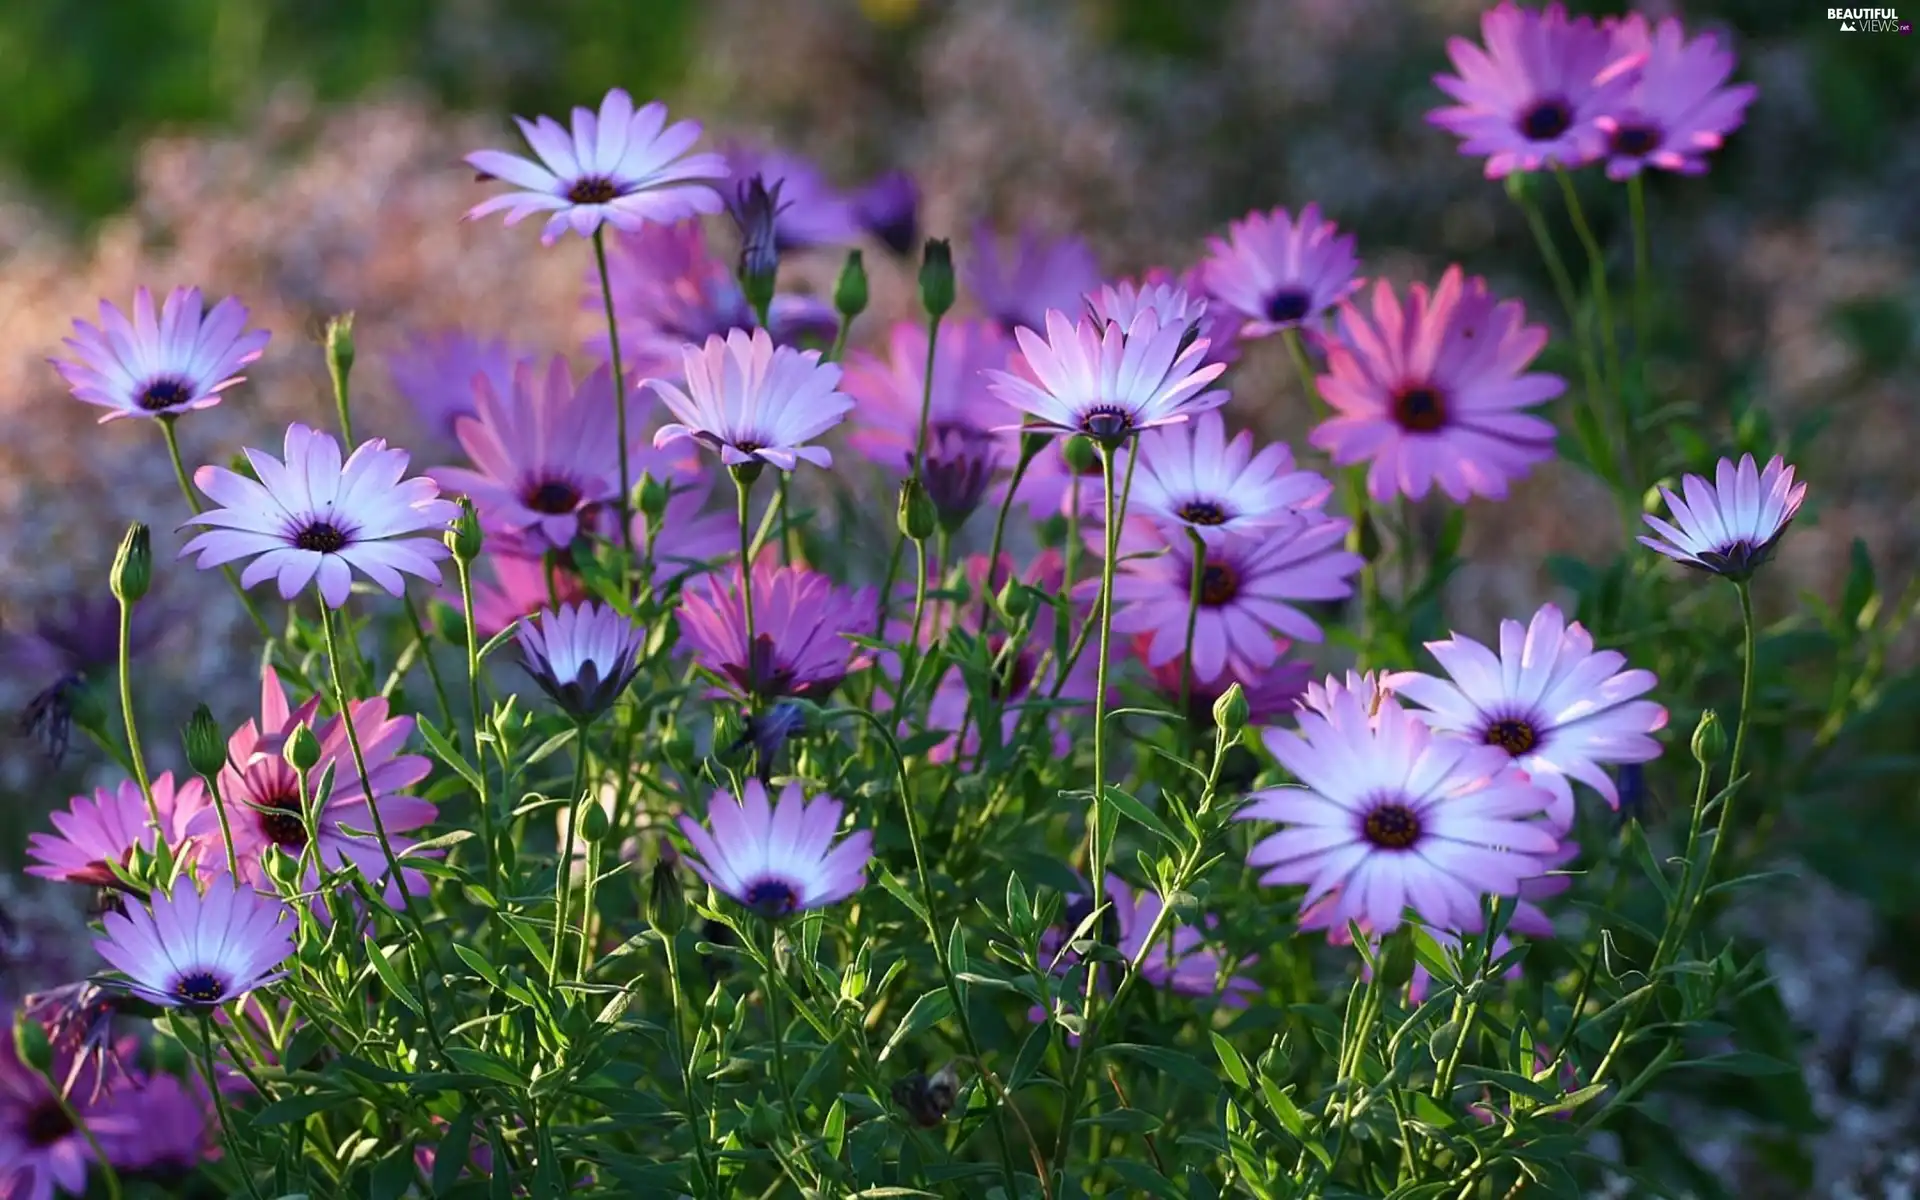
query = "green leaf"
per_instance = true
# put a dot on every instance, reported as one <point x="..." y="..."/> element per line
<point x="1126" y="1120"/>
<point x="481" y="967"/>
<point x="1182" y="1068"/>
<point x="553" y="744"/>
<point x="1230" y="1060"/>
<point x="1142" y="1179"/>
<point x="486" y="1065"/>
<point x="929" y="1010"/>
<point x="445" y="752"/>
<point x="455" y="1148"/>
<point x="383" y="967"/>
<point x="897" y="888"/>
<point x="1130" y="808"/>
<point x="1741" y="1062"/>
<point x="1571" y="1101"/>
<point x="497" y="640"/>
<point x="300" y="1106"/>
<point x="443" y="842"/>
<point x="835" y="1128"/>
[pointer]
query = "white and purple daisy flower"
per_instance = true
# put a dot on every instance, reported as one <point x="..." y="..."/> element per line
<point x="754" y="402"/>
<point x="1434" y="393"/>
<point x="188" y="950"/>
<point x="102" y="831"/>
<point x="1534" y="97"/>
<point x="1037" y="276"/>
<point x="1392" y="816"/>
<point x="439" y="374"/>
<point x="1558" y="707"/>
<point x="582" y="656"/>
<point x="800" y="622"/>
<point x="1191" y="477"/>
<point x="1681" y="109"/>
<point x="312" y="517"/>
<point x="778" y="860"/>
<point x="624" y="167"/>
<point x="160" y="366"/>
<point x="1275" y="272"/>
<point x="1731" y="526"/>
<point x="1109" y="381"/>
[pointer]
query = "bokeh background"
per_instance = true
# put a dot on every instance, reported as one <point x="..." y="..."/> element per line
<point x="306" y="158"/>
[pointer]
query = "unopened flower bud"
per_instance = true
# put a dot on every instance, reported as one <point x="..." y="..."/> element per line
<point x="302" y="750"/>
<point x="465" y="537"/>
<point x="850" y="292"/>
<point x="31" y="1044"/>
<point x="755" y="208"/>
<point x="1709" y="739"/>
<point x="936" y="277"/>
<point x="86" y="708"/>
<point x="915" y="515"/>
<point x="666" y="903"/>
<point x="206" y="749"/>
<point x="1032" y="443"/>
<point x="133" y="565"/>
<point x="653" y="499"/>
<point x="595" y="824"/>
<point x="1015" y="600"/>
<point x="1230" y="711"/>
<point x="1080" y="454"/>
<point x="340" y="349"/>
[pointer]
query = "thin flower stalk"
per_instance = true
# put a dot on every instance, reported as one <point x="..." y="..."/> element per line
<point x="193" y="503"/>
<point x="464" y="568"/>
<point x="619" y="400"/>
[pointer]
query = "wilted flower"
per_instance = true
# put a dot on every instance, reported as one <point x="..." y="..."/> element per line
<point x="1191" y="478"/>
<point x="187" y="950"/>
<point x="1680" y="109"/>
<point x="582" y="656"/>
<point x="1109" y="381"/>
<point x="1276" y="273"/>
<point x="752" y="401"/>
<point x="812" y="212"/>
<point x="781" y="860"/>
<point x="150" y="367"/>
<point x="1039" y="275"/>
<point x="439" y="374"/>
<point x="100" y="832"/>
<point x="1730" y="526"/>
<point x="800" y="622"/>
<point x="79" y="1020"/>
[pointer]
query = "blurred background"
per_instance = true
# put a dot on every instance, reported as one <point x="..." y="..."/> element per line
<point x="305" y="157"/>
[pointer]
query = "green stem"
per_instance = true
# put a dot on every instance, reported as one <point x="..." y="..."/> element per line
<point x="1569" y="300"/>
<point x="226" y="829"/>
<point x="563" y="873"/>
<point x="220" y="1105"/>
<point x="743" y="485"/>
<point x="1352" y="487"/>
<point x="1642" y="277"/>
<point x="926" y="401"/>
<point x="193" y="503"/>
<point x="695" y="1110"/>
<point x="909" y="653"/>
<point x="1000" y="536"/>
<point x="786" y="527"/>
<point x="341" y="408"/>
<point x="483" y="803"/>
<point x="619" y="398"/>
<point x="126" y="715"/>
<point x="1609" y="335"/>
<point x="1193" y="622"/>
<point x="839" y="347"/>
<point x="426" y="657"/>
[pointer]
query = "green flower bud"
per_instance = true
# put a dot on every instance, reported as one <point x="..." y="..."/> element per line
<point x="1014" y="600"/>
<point x="1709" y="739"/>
<point x="1081" y="455"/>
<point x="340" y="349"/>
<point x="936" y="277"/>
<point x="206" y="748"/>
<point x="242" y="466"/>
<point x="1364" y="538"/>
<point x="465" y="537"/>
<point x="1053" y="531"/>
<point x="850" y="292"/>
<point x="915" y="515"/>
<point x="595" y="824"/>
<point x="763" y="1123"/>
<point x="133" y="565"/>
<point x="302" y="750"/>
<point x="1230" y="711"/>
<point x="30" y="1043"/>
<point x="1032" y="443"/>
<point x="653" y="499"/>
<point x="89" y="711"/>
<point x="666" y="903"/>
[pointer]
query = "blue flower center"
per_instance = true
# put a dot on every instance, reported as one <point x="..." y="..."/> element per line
<point x="594" y="189"/>
<point x="1420" y="409"/>
<point x="165" y="393"/>
<point x="200" y="987"/>
<point x="1635" y="141"/>
<point x="1546" y="120"/>
<point x="321" y="536"/>
<point x="1392" y="826"/>
<point x="1108" y="422"/>
<point x="773" y="898"/>
<point x="1287" y="305"/>
<point x="551" y="496"/>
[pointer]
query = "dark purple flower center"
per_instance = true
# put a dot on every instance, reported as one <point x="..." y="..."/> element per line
<point x="1420" y="409"/>
<point x="1219" y="584"/>
<point x="47" y="1124"/>
<point x="1635" y="141"/>
<point x="594" y="189"/>
<point x="1392" y="826"/>
<point x="1546" y="120"/>
<point x="1287" y="305"/>
<point x="280" y="821"/>
<point x="551" y="496"/>
<point x="322" y="536"/>
<point x="772" y="898"/>
<point x="200" y="987"/>
<point x="1202" y="512"/>
<point x="1108" y="422"/>
<point x="1515" y="735"/>
<point x="165" y="393"/>
<point x="1739" y="559"/>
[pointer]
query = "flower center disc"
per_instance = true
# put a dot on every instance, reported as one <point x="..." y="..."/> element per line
<point x="199" y="987"/>
<point x="1106" y="422"/>
<point x="552" y="496"/>
<point x="772" y="898"/>
<point x="1420" y="409"/>
<point x="321" y="536"/>
<point x="1287" y="305"/>
<point x="283" y="824"/>
<point x="163" y="394"/>
<point x="1546" y="120"/>
<point x="1202" y="512"/>
<point x="1635" y="141"/>
<point x="1513" y="735"/>
<point x="1219" y="584"/>
<point x="594" y="189"/>
<point x="1392" y="827"/>
<point x="46" y="1124"/>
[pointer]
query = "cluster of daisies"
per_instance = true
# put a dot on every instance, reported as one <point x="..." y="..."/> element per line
<point x="1420" y="794"/>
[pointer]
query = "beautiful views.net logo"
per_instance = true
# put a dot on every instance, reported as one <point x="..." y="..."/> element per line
<point x="1869" y="20"/>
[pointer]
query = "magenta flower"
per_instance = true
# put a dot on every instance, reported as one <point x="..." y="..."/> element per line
<point x="1533" y="98"/>
<point x="800" y="625"/>
<point x="1248" y="586"/>
<point x="544" y="453"/>
<point x="669" y="290"/>
<point x="1047" y="489"/>
<point x="582" y="656"/>
<point x="690" y="540"/>
<point x="1191" y="478"/>
<point x="312" y="517"/>
<point x="889" y="391"/>
<point x="517" y="590"/>
<point x="150" y="367"/>
<point x="1275" y="273"/>
<point x="42" y="1152"/>
<point x="888" y="208"/>
<point x="156" y="1123"/>
<point x="102" y="831"/>
<point x="1558" y="707"/>
<point x="754" y="402"/>
<point x="1271" y="691"/>
<point x="1731" y="526"/>
<point x="1434" y="393"/>
<point x="440" y="374"/>
<point x="812" y="212"/>
<point x="1179" y="962"/>
<point x="1108" y="381"/>
<point x="1681" y="109"/>
<point x="623" y="168"/>
<point x="1037" y="276"/>
<point x="186" y="950"/>
<point x="1392" y="816"/>
<point x="781" y="859"/>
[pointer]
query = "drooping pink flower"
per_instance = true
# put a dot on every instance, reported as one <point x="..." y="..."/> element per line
<point x="1534" y="97"/>
<point x="183" y="949"/>
<point x="99" y="832"/>
<point x="751" y="401"/>
<point x="1731" y="526"/>
<point x="778" y="860"/>
<point x="623" y="167"/>
<point x="1191" y="478"/>
<point x="1435" y="392"/>
<point x="1681" y="109"/>
<point x="1037" y="275"/>
<point x="164" y="366"/>
<point x="800" y="623"/>
<point x="1275" y="272"/>
<point x="1108" y="381"/>
<point x="437" y="374"/>
<point x="311" y="517"/>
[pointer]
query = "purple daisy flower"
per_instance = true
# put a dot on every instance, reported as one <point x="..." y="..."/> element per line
<point x="1275" y="273"/>
<point x="1109" y="381"/>
<point x="42" y="1152"/>
<point x="1047" y="489"/>
<point x="150" y="367"/>
<point x="1180" y="963"/>
<point x="1247" y="589"/>
<point x="188" y="950"/>
<point x="1271" y="691"/>
<point x="516" y="590"/>
<point x="157" y="1123"/>
<point x="668" y="291"/>
<point x="99" y="832"/>
<point x="1681" y="109"/>
<point x="1434" y="393"/>
<point x="1558" y="707"/>
<point x="690" y="540"/>
<point x="800" y="625"/>
<point x="1192" y="478"/>
<point x="545" y="453"/>
<point x="1392" y="816"/>
<point x="582" y="656"/>
<point x="812" y="212"/>
<point x="440" y="373"/>
<point x="754" y="402"/>
<point x="778" y="859"/>
<point x="623" y="168"/>
<point x="889" y="391"/>
<point x="1038" y="276"/>
<point x="1327" y="697"/>
<point x="313" y="517"/>
<point x="1533" y="98"/>
<point x="1731" y="526"/>
<point x="888" y="208"/>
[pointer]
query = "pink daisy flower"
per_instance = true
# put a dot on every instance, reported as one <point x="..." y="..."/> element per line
<point x="690" y="542"/>
<point x="1392" y="817"/>
<point x="778" y="860"/>
<point x="1037" y="276"/>
<point x="623" y="167"/>
<point x="812" y="211"/>
<point x="1558" y="707"/>
<point x="800" y="625"/>
<point x="439" y="375"/>
<point x="1190" y="477"/>
<point x="1434" y="393"/>
<point x="1109" y="381"/>
<point x="311" y="517"/>
<point x="1271" y="691"/>
<point x="889" y="391"/>
<point x="162" y="367"/>
<point x="1275" y="273"/>
<point x="517" y="589"/>
<point x="754" y="402"/>
<point x="1731" y="526"/>
<point x="1681" y="109"/>
<point x="188" y="950"/>
<point x="1533" y="98"/>
<point x="1248" y="586"/>
<point x="98" y="832"/>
